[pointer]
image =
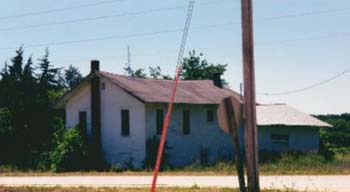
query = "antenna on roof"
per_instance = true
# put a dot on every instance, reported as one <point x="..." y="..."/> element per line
<point x="128" y="63"/>
<point x="241" y="90"/>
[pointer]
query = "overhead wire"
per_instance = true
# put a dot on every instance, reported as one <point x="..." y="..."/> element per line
<point x="87" y="19"/>
<point x="165" y="31"/>
<point x="308" y="87"/>
<point x="117" y="37"/>
<point x="49" y="11"/>
<point x="147" y="11"/>
<point x="304" y="14"/>
<point x="154" y="33"/>
<point x="310" y="13"/>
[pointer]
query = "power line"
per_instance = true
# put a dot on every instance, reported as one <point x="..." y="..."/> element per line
<point x="81" y="59"/>
<point x="90" y="18"/>
<point x="97" y="39"/>
<point x="308" y="87"/>
<point x="118" y="36"/>
<point x="173" y="31"/>
<point x="304" y="14"/>
<point x="48" y="11"/>
<point x="87" y="19"/>
<point x="307" y="38"/>
<point x="196" y="28"/>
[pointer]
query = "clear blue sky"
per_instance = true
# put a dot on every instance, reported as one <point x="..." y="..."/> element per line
<point x="291" y="52"/>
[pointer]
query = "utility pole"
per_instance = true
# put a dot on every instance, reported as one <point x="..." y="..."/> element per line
<point x="250" y="128"/>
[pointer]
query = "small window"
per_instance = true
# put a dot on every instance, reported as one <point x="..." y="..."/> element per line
<point x="125" y="124"/>
<point x="82" y="121"/>
<point x="210" y="116"/>
<point x="280" y="142"/>
<point x="103" y="86"/>
<point x="159" y="121"/>
<point x="186" y="122"/>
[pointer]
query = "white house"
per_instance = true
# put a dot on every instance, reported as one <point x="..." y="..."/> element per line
<point x="120" y="113"/>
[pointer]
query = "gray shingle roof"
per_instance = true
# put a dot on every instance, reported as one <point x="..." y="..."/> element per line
<point x="281" y="114"/>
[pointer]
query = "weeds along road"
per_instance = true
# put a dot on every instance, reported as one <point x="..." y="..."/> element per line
<point x="304" y="183"/>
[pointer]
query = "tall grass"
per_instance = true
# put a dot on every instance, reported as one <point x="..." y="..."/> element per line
<point x="290" y="163"/>
<point x="285" y="164"/>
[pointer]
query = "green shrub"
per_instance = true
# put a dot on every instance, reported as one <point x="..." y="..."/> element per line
<point x="8" y="169"/>
<point x="70" y="153"/>
<point x="129" y="164"/>
<point x="152" y="151"/>
<point x="204" y="156"/>
<point x="116" y="168"/>
<point x="337" y="138"/>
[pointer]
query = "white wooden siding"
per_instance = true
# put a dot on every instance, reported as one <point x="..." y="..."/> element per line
<point x="80" y="102"/>
<point x="185" y="149"/>
<point x="119" y="149"/>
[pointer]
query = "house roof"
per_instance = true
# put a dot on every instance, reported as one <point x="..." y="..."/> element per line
<point x="158" y="91"/>
<point x="196" y="92"/>
<point x="282" y="114"/>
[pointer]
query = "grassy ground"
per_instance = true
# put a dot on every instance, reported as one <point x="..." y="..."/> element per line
<point x="83" y="189"/>
<point x="286" y="165"/>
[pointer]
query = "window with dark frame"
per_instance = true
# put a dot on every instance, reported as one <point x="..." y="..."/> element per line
<point x="159" y="121"/>
<point x="83" y="122"/>
<point x="280" y="142"/>
<point x="210" y="116"/>
<point x="186" y="122"/>
<point x="103" y="86"/>
<point x="125" y="122"/>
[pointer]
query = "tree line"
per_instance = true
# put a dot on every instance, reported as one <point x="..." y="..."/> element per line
<point x="194" y="67"/>
<point x="335" y="140"/>
<point x="28" y="91"/>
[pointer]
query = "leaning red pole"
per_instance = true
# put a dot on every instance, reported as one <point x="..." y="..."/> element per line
<point x="165" y="129"/>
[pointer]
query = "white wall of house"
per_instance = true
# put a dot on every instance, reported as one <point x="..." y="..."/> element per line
<point x="117" y="149"/>
<point x="304" y="139"/>
<point x="79" y="103"/>
<point x="120" y="149"/>
<point x="185" y="149"/>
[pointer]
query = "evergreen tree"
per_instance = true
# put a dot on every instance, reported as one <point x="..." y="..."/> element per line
<point x="72" y="76"/>
<point x="16" y="68"/>
<point x="28" y="74"/>
<point x="49" y="76"/>
<point x="50" y="88"/>
<point x="5" y="76"/>
<point x="26" y="106"/>
<point x="13" y="103"/>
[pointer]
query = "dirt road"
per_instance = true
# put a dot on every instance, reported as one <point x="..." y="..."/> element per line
<point x="305" y="183"/>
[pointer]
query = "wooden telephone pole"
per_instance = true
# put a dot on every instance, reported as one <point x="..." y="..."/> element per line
<point x="251" y="131"/>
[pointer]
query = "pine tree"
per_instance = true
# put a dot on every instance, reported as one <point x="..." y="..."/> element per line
<point x="72" y="77"/>
<point x="5" y="76"/>
<point x="16" y="68"/>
